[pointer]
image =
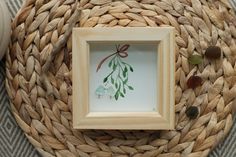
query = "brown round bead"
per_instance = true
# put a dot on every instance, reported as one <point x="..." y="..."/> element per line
<point x="213" y="52"/>
<point x="194" y="81"/>
<point x="192" y="112"/>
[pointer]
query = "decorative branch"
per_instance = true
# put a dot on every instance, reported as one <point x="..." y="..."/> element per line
<point x="119" y="69"/>
<point x="56" y="49"/>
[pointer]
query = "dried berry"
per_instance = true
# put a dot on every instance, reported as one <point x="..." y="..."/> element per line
<point x="213" y="52"/>
<point x="194" y="81"/>
<point x="195" y="59"/>
<point x="192" y="112"/>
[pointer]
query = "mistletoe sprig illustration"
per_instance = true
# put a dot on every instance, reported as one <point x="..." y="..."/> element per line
<point x="119" y="75"/>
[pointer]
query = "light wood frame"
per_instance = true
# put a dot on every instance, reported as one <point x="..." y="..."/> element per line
<point x="161" y="119"/>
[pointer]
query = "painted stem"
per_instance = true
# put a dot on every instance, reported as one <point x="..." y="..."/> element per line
<point x="102" y="61"/>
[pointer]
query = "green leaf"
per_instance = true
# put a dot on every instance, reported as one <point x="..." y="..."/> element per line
<point x="122" y="95"/>
<point x="112" y="80"/>
<point x="130" y="87"/>
<point x="110" y="63"/>
<point x="131" y="69"/>
<point x="124" y="74"/>
<point x="125" y="70"/>
<point x="195" y="59"/>
<point x="124" y="90"/>
<point x="116" y="95"/>
<point x="105" y="80"/>
<point x="116" y="85"/>
<point x="114" y="67"/>
<point x="125" y="81"/>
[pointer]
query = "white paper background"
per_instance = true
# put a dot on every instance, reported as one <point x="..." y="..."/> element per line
<point x="143" y="58"/>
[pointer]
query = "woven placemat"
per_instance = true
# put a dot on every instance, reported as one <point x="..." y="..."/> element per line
<point x="46" y="120"/>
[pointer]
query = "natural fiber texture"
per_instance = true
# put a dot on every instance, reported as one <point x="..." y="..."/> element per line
<point x="46" y="121"/>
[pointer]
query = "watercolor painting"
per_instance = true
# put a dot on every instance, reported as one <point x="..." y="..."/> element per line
<point x="116" y="83"/>
<point x="123" y="76"/>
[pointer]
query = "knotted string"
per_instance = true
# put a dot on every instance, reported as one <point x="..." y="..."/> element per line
<point x="120" y="51"/>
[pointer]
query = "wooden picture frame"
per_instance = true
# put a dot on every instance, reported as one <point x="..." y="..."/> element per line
<point x="163" y="118"/>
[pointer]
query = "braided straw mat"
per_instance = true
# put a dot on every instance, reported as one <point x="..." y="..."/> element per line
<point x="47" y="121"/>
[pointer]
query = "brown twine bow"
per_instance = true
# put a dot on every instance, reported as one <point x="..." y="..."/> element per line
<point x="120" y="51"/>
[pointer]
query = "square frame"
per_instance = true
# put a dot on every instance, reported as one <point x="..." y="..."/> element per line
<point x="163" y="118"/>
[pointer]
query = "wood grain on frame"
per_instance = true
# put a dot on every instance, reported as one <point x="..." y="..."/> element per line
<point x="161" y="119"/>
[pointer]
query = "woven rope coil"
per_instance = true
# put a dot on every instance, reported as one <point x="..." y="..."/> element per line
<point x="46" y="120"/>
